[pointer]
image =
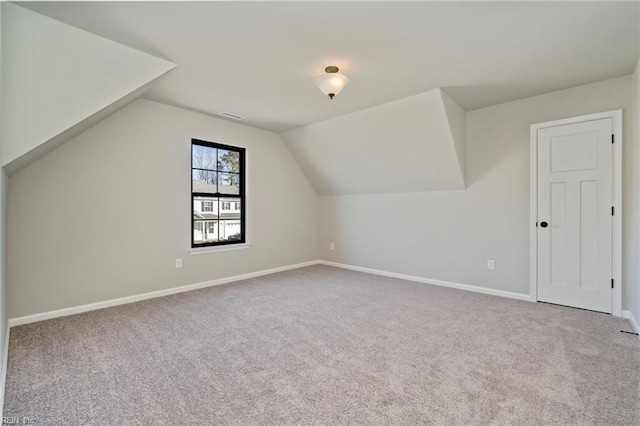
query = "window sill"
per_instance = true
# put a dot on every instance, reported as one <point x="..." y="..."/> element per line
<point x="213" y="249"/>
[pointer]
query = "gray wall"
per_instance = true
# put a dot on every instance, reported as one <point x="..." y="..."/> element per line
<point x="450" y="235"/>
<point x="3" y="254"/>
<point x="3" y="284"/>
<point x="632" y="235"/>
<point x="4" y="330"/>
<point x="106" y="215"/>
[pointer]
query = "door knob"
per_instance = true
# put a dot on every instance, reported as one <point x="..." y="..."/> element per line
<point x="544" y="224"/>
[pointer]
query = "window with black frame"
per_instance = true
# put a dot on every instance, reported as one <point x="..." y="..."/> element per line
<point x="217" y="194"/>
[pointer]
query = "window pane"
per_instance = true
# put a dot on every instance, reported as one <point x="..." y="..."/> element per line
<point x="205" y="219"/>
<point x="230" y="230"/>
<point x="205" y="231"/>
<point x="216" y="175"/>
<point x="203" y="157"/>
<point x="229" y="183"/>
<point x="204" y="181"/>
<point x="229" y="208"/>
<point x="228" y="161"/>
<point x="205" y="208"/>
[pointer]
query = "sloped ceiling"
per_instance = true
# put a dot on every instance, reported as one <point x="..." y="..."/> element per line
<point x="259" y="59"/>
<point x="412" y="145"/>
<point x="57" y="80"/>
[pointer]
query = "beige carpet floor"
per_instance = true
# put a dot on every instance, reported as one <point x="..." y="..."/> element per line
<point x="321" y="345"/>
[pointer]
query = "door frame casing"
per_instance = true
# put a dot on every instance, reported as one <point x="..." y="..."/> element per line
<point x="616" y="247"/>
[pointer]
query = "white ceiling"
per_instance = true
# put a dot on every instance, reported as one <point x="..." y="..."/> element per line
<point x="259" y="60"/>
<point x="415" y="144"/>
<point x="57" y="81"/>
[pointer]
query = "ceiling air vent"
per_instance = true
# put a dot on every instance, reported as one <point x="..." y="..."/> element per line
<point x="232" y="116"/>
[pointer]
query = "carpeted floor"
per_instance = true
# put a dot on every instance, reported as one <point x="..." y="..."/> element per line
<point x="321" y="345"/>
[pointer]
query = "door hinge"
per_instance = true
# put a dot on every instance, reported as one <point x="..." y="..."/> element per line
<point x="612" y="211"/>
<point x="611" y="282"/>
<point x="612" y="138"/>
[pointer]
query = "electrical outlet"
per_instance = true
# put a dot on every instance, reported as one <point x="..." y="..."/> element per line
<point x="332" y="246"/>
<point x="491" y="264"/>
<point x="178" y="263"/>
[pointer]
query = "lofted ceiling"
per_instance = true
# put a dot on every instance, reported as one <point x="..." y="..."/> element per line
<point x="415" y="144"/>
<point x="259" y="59"/>
<point x="58" y="81"/>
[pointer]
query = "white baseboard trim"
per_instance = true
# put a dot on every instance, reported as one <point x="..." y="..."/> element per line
<point x="634" y="323"/>
<point x="28" y="319"/>
<point x="5" y="361"/>
<point x="476" y="289"/>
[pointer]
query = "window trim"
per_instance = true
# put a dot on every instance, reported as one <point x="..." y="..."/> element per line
<point x="241" y="195"/>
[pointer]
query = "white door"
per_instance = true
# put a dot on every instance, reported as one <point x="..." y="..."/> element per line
<point x="575" y="190"/>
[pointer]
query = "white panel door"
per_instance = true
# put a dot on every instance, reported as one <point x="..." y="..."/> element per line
<point x="575" y="193"/>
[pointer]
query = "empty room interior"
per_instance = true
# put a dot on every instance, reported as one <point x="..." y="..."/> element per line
<point x="318" y="212"/>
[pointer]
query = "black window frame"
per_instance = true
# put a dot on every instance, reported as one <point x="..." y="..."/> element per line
<point x="241" y="194"/>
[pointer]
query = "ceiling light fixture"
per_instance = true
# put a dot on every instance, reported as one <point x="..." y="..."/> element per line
<point x="331" y="83"/>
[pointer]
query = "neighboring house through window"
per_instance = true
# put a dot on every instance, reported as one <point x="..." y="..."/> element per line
<point x="217" y="184"/>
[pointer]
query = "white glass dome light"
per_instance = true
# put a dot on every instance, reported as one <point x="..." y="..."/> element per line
<point x="331" y="83"/>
